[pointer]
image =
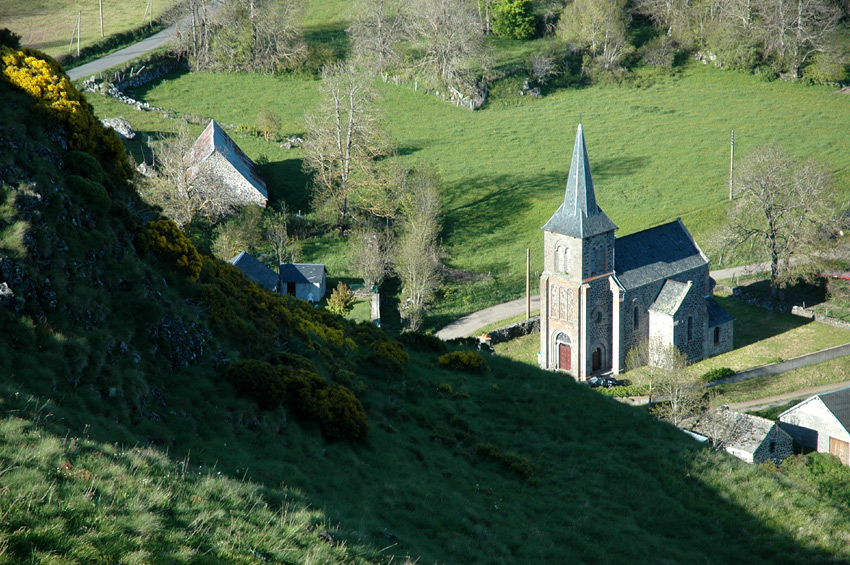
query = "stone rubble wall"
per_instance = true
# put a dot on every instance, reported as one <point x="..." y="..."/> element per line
<point x="513" y="331"/>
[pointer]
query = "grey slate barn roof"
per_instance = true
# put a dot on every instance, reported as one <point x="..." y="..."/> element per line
<point x="670" y="298"/>
<point x="255" y="270"/>
<point x="838" y="402"/>
<point x="215" y="139"/>
<point x="737" y="430"/>
<point x="655" y="254"/>
<point x="579" y="216"/>
<point x="302" y="272"/>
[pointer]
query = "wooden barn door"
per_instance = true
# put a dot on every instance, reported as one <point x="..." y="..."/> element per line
<point x="840" y="449"/>
<point x="564" y="357"/>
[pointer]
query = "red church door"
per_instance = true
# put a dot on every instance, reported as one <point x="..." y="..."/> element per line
<point x="564" y="357"/>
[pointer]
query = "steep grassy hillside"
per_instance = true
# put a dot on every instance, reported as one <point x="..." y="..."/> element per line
<point x="128" y="436"/>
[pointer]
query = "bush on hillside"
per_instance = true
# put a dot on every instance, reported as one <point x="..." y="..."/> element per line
<point x="424" y="343"/>
<point x="165" y="240"/>
<point x="341" y="300"/>
<point x="388" y="355"/>
<point x="340" y="414"/>
<point x="92" y="193"/>
<point x="9" y="38"/>
<point x="257" y="380"/>
<point x="717" y="373"/>
<point x="827" y="68"/>
<point x="513" y="19"/>
<point x="466" y="361"/>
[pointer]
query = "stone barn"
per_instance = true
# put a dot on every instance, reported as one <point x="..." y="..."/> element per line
<point x="747" y="437"/>
<point x="601" y="295"/>
<point x="307" y="281"/>
<point x="214" y="153"/>
<point x="821" y="423"/>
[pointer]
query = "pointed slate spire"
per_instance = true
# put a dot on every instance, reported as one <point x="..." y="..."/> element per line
<point x="579" y="216"/>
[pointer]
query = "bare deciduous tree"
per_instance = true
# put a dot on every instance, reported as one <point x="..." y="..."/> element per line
<point x="377" y="28"/>
<point x="181" y="193"/>
<point x="450" y="35"/>
<point x="784" y="208"/>
<point x="244" y="35"/>
<point x="416" y="253"/>
<point x="241" y="233"/>
<point x="599" y="26"/>
<point x="286" y="247"/>
<point x="681" y="391"/>
<point x="797" y="29"/>
<point x="343" y="139"/>
<point x="368" y="253"/>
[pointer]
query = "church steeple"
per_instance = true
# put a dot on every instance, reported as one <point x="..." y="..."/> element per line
<point x="579" y="216"/>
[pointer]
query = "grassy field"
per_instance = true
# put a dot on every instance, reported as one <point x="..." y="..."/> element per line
<point x="503" y="168"/>
<point x="48" y="25"/>
<point x="829" y="372"/>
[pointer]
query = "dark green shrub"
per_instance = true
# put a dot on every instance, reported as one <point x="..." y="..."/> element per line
<point x="622" y="391"/>
<point x="517" y="464"/>
<point x="827" y="68"/>
<point x="303" y="387"/>
<point x="165" y="240"/>
<point x="388" y="355"/>
<point x="446" y="388"/>
<point x="9" y="38"/>
<point x="466" y="361"/>
<point x="340" y="414"/>
<point x="422" y="342"/>
<point x="92" y="193"/>
<point x="257" y="380"/>
<point x="84" y="165"/>
<point x="718" y="373"/>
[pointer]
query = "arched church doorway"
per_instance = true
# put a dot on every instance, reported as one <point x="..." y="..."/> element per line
<point x="564" y="352"/>
<point x="597" y="359"/>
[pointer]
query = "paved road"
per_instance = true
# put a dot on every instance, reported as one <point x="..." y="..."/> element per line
<point x="136" y="50"/>
<point x="470" y="324"/>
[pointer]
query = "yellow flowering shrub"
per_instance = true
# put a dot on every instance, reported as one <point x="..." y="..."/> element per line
<point x="42" y="78"/>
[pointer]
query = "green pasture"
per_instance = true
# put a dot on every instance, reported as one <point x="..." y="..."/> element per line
<point x="48" y="25"/>
<point x="658" y="148"/>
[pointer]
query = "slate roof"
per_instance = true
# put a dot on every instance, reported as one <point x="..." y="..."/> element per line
<point x="655" y="254"/>
<point x="213" y="139"/>
<point x="302" y="272"/>
<point x="717" y="316"/>
<point x="255" y="270"/>
<point x="838" y="402"/>
<point x="579" y="216"/>
<point x="739" y="431"/>
<point x="670" y="298"/>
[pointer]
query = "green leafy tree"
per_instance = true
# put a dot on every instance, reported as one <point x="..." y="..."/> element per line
<point x="342" y="299"/>
<point x="514" y="19"/>
<point x="268" y="123"/>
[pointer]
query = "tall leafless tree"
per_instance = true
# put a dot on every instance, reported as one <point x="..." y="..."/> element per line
<point x="797" y="29"/>
<point x="368" y="253"/>
<point x="784" y="207"/>
<point x="416" y="254"/>
<point x="375" y="32"/>
<point x="599" y="26"/>
<point x="450" y="36"/>
<point x="343" y="139"/>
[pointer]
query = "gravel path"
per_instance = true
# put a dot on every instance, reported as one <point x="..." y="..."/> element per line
<point x="780" y="399"/>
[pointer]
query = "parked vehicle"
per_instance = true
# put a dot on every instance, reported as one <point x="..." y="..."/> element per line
<point x="607" y="382"/>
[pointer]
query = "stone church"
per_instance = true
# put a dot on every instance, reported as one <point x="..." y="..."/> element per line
<point x="601" y="294"/>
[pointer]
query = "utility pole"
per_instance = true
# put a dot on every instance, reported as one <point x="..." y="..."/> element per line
<point x="77" y="32"/>
<point x="100" y="5"/>
<point x="732" y="166"/>
<point x="527" y="283"/>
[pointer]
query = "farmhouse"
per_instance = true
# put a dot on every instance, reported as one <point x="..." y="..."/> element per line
<point x="821" y="422"/>
<point x="306" y="281"/>
<point x="214" y="153"/>
<point x="256" y="271"/>
<point x="601" y="295"/>
<point x="747" y="437"/>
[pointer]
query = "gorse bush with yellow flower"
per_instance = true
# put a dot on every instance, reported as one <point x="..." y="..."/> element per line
<point x="43" y="79"/>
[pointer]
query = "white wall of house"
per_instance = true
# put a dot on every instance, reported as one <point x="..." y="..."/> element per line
<point x="812" y="424"/>
<point x="310" y="291"/>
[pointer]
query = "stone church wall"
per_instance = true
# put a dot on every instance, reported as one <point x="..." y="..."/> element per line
<point x="694" y="307"/>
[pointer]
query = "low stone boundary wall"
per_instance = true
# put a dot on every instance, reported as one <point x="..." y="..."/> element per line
<point x="785" y="366"/>
<point x="513" y="331"/>
<point x="812" y="315"/>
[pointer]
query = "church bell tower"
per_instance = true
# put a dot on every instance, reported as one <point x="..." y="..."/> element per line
<point x="576" y="309"/>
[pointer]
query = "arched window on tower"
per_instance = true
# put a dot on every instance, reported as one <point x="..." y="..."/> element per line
<point x="716" y="336"/>
<point x="690" y="328"/>
<point x="559" y="259"/>
<point x="637" y="317"/>
<point x="566" y="259"/>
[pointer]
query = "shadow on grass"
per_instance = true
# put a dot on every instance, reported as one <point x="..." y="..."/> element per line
<point x="754" y="324"/>
<point x="285" y="180"/>
<point x="141" y="92"/>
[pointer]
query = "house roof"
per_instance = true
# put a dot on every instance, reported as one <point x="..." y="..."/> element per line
<point x="656" y="254"/>
<point x="256" y="271"/>
<point x="736" y="430"/>
<point x="836" y="401"/>
<point x="579" y="215"/>
<point x="302" y="272"/>
<point x="670" y="298"/>
<point x="215" y="139"/>
<point x="717" y="316"/>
